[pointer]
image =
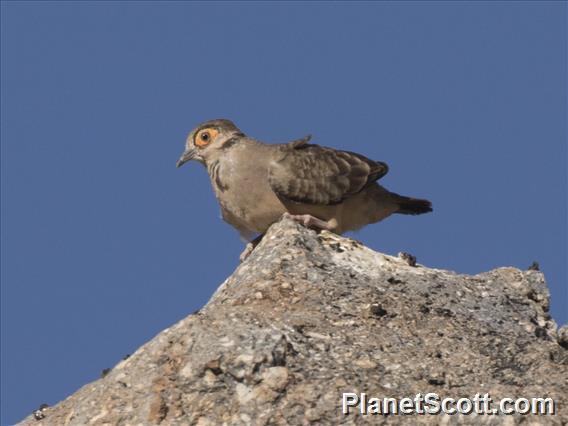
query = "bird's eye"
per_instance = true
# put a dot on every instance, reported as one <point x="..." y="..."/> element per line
<point x="205" y="137"/>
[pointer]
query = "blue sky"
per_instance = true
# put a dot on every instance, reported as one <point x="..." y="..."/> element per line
<point x="105" y="243"/>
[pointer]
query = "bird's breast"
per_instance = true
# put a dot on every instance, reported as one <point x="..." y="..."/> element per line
<point x="246" y="199"/>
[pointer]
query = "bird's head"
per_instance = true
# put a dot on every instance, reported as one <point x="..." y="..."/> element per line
<point x="208" y="140"/>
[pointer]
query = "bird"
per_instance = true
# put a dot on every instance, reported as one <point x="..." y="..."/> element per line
<point x="258" y="183"/>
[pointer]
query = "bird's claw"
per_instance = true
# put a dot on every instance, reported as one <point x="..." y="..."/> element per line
<point x="309" y="221"/>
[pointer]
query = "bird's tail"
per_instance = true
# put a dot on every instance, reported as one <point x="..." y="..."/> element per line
<point x="409" y="205"/>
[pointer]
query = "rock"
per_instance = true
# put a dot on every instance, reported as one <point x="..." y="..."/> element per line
<point x="308" y="317"/>
<point x="39" y="414"/>
<point x="408" y="258"/>
<point x="275" y="378"/>
<point x="563" y="336"/>
<point x="534" y="266"/>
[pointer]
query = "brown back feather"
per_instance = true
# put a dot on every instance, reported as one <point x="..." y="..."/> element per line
<point x="313" y="174"/>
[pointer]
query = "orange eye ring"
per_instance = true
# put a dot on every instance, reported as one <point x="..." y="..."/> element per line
<point x="205" y="137"/>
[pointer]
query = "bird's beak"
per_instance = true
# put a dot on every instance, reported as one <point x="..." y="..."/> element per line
<point x="188" y="155"/>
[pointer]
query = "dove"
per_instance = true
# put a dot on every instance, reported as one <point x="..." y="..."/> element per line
<point x="257" y="183"/>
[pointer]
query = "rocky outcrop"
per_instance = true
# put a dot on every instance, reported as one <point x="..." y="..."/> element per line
<point x="308" y="317"/>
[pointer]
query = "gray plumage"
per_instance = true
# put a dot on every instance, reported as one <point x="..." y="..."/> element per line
<point x="256" y="183"/>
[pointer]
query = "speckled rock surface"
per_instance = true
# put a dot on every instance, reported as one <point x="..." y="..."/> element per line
<point x="309" y="316"/>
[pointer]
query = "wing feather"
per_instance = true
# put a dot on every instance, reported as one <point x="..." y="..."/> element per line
<point x="313" y="174"/>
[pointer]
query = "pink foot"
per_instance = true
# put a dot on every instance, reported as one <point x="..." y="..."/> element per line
<point x="309" y="221"/>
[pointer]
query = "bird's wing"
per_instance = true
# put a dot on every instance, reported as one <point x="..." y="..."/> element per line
<point x="313" y="174"/>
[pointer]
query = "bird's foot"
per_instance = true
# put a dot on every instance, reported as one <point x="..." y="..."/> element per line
<point x="310" y="221"/>
<point x="250" y="247"/>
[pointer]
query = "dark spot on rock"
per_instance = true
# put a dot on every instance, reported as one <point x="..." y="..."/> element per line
<point x="278" y="358"/>
<point x="214" y="366"/>
<point x="125" y="357"/>
<point x="299" y="328"/>
<point x="280" y="352"/>
<point x="540" y="332"/>
<point x="105" y="372"/>
<point x="393" y="280"/>
<point x="39" y="415"/>
<point x="536" y="297"/>
<point x="162" y="359"/>
<point x="445" y="312"/>
<point x="563" y="341"/>
<point x="424" y="309"/>
<point x="408" y="258"/>
<point x="336" y="247"/>
<point x="377" y="310"/>
<point x="534" y="266"/>
<point x="436" y="381"/>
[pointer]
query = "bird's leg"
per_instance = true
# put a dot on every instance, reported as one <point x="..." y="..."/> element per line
<point x="310" y="221"/>
<point x="250" y="247"/>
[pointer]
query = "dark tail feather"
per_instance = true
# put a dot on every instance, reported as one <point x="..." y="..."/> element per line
<point x="408" y="205"/>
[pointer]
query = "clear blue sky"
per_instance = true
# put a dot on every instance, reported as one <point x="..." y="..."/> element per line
<point x="105" y="243"/>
